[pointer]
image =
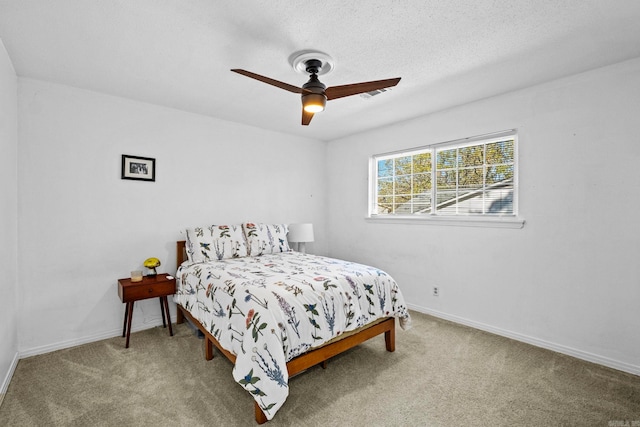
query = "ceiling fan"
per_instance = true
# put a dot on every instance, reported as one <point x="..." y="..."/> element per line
<point x="314" y="93"/>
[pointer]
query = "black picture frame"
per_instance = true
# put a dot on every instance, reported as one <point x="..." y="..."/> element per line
<point x="138" y="168"/>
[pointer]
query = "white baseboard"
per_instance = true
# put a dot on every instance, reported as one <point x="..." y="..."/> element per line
<point x="7" y="378"/>
<point x="34" y="351"/>
<point x="579" y="354"/>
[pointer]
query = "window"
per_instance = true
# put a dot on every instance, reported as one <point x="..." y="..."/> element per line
<point x="470" y="177"/>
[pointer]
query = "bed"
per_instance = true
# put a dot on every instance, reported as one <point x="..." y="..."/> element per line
<point x="274" y="312"/>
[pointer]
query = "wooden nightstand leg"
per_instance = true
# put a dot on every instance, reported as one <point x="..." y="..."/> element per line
<point x="129" y="317"/>
<point x="124" y="323"/>
<point x="164" y="324"/>
<point x="166" y="308"/>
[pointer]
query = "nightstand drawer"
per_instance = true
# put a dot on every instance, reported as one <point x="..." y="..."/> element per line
<point x="148" y="288"/>
<point x="154" y="290"/>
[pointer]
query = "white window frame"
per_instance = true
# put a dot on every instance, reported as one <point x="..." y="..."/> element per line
<point x="435" y="218"/>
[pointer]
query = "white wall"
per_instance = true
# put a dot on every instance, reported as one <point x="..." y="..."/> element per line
<point x="82" y="227"/>
<point x="8" y="219"/>
<point x="570" y="279"/>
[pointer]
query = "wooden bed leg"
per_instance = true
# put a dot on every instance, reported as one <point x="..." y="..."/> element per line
<point x="208" y="348"/>
<point x="324" y="364"/>
<point x="390" y="338"/>
<point x="179" y="317"/>
<point x="261" y="418"/>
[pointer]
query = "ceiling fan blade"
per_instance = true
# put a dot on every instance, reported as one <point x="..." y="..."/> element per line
<point x="306" y="117"/>
<point x="335" y="92"/>
<point x="272" y="82"/>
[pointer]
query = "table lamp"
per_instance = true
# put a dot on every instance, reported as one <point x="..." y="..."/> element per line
<point x="300" y="234"/>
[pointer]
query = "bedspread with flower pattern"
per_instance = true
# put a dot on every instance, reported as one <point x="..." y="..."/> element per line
<point x="269" y="309"/>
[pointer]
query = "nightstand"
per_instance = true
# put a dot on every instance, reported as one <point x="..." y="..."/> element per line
<point x="159" y="286"/>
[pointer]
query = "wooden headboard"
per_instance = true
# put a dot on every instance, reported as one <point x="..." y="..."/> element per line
<point x="181" y="252"/>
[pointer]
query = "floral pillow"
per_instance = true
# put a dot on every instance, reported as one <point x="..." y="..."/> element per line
<point x="215" y="242"/>
<point x="266" y="238"/>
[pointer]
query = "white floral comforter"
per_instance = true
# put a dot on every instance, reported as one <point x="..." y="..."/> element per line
<point x="269" y="309"/>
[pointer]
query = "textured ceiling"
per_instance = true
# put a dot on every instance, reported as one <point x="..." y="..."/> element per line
<point x="178" y="53"/>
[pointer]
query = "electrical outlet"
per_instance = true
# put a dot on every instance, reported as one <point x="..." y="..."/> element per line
<point x="436" y="291"/>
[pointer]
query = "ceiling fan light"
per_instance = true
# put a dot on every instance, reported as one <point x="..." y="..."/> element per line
<point x="314" y="102"/>
<point x="313" y="108"/>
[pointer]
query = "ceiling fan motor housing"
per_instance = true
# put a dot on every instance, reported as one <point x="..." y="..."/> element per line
<point x="313" y="66"/>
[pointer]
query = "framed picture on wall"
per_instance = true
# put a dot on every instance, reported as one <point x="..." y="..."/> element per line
<point x="140" y="168"/>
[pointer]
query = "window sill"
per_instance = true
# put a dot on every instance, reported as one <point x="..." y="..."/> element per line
<point x="462" y="221"/>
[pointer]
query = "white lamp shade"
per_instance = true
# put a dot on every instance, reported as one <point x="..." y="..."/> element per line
<point x="300" y="233"/>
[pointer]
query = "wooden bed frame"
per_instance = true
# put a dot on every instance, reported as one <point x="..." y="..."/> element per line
<point x="318" y="355"/>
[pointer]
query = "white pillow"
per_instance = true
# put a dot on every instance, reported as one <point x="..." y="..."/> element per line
<point x="215" y="242"/>
<point x="266" y="238"/>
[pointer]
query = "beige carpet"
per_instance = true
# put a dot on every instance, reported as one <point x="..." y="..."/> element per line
<point x="441" y="374"/>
